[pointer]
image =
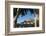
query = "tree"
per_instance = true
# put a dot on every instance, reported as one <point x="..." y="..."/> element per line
<point x="36" y="14"/>
<point x="17" y="12"/>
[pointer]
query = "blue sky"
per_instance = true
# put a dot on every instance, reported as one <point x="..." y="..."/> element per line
<point x="27" y="16"/>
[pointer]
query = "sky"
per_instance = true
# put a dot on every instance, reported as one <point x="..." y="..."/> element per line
<point x="26" y="17"/>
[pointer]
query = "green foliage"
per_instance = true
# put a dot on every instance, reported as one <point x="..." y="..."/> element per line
<point x="23" y="11"/>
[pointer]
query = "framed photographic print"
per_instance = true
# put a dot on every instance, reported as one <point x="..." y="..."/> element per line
<point x="24" y="17"/>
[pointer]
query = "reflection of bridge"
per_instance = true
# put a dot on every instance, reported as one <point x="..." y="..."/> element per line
<point x="24" y="25"/>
